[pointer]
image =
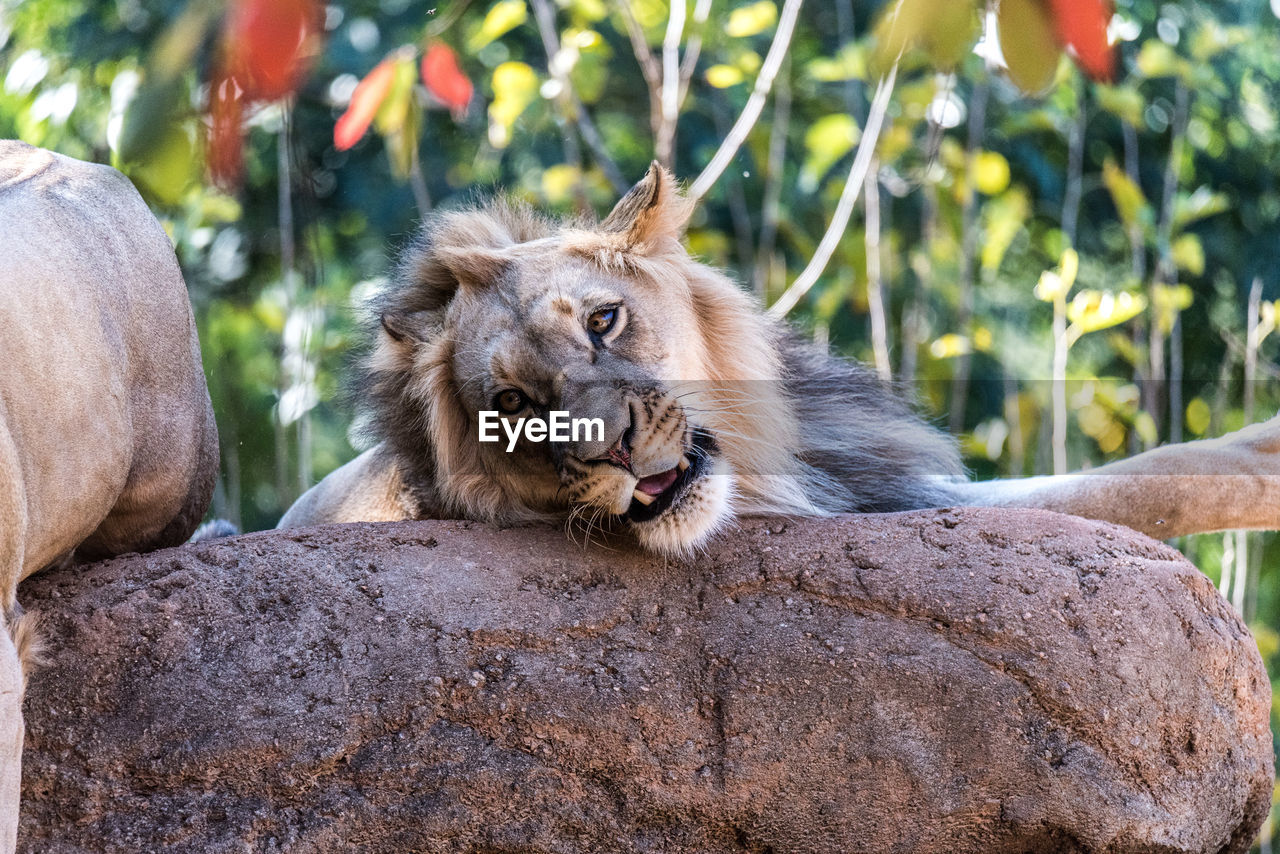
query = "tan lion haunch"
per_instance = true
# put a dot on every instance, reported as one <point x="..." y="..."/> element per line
<point x="710" y="409"/>
<point x="107" y="439"/>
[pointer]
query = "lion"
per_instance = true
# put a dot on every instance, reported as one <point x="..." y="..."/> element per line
<point x="709" y="409"/>
<point x="107" y="438"/>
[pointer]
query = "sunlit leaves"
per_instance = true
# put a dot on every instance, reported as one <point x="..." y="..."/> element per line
<point x="503" y="16"/>
<point x="399" y="118"/>
<point x="1091" y="310"/>
<point x="1201" y="204"/>
<point x="950" y="345"/>
<point x="849" y="63"/>
<point x="1167" y="302"/>
<point x="944" y="29"/>
<point x="989" y="172"/>
<point x="1199" y="415"/>
<point x="826" y="141"/>
<point x="1188" y="254"/>
<point x="1123" y="101"/>
<point x="365" y="102"/>
<point x="515" y="85"/>
<point x="1055" y="284"/>
<point x="723" y="76"/>
<point x="1003" y="217"/>
<point x="751" y="19"/>
<point x="1130" y="203"/>
<point x="444" y="79"/>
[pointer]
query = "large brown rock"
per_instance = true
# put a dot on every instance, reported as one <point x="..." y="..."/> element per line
<point x="953" y="681"/>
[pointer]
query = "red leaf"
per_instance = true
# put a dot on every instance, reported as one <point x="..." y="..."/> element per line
<point x="1082" y="26"/>
<point x="365" y="101"/>
<point x="270" y="44"/>
<point x="444" y="79"/>
<point x="225" y="147"/>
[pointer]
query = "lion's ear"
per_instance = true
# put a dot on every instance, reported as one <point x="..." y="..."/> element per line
<point x="473" y="267"/>
<point x="405" y="327"/>
<point x="652" y="212"/>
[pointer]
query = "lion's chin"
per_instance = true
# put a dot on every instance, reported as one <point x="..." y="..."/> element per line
<point x="702" y="509"/>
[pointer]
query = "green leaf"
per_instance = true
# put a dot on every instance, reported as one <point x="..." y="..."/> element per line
<point x="170" y="167"/>
<point x="750" y="20"/>
<point x="157" y="107"/>
<point x="1004" y="216"/>
<point x="503" y="16"/>
<point x="826" y="141"/>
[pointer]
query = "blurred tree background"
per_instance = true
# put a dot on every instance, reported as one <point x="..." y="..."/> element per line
<point x="1122" y="237"/>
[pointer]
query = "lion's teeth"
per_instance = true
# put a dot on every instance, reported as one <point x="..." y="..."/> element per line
<point x="643" y="497"/>
<point x="683" y="464"/>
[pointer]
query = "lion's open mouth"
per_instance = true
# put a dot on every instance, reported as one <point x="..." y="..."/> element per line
<point x="657" y="493"/>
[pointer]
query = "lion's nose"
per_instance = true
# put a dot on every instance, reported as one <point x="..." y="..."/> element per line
<point x="613" y="410"/>
<point x="620" y="453"/>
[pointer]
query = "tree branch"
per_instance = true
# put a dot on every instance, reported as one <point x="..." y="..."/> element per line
<point x="755" y="103"/>
<point x="569" y="97"/>
<point x="664" y="139"/>
<point x="844" y="207"/>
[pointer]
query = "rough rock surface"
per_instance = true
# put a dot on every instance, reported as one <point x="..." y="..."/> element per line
<point x="952" y="681"/>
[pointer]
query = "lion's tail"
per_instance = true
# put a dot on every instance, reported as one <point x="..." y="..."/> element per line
<point x="24" y="629"/>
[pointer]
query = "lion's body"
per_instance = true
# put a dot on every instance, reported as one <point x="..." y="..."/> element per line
<point x="107" y="438"/>
<point x="710" y="409"/>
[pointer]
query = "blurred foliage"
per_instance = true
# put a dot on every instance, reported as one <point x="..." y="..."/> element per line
<point x="1145" y="212"/>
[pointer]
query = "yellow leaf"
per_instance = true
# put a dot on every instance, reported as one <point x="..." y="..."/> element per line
<point x="515" y="85"/>
<point x="394" y="109"/>
<point x="826" y="141"/>
<point x="1198" y="416"/>
<point x="949" y="346"/>
<point x="990" y="173"/>
<point x="723" y="76"/>
<point x="849" y="64"/>
<point x="750" y="20"/>
<point x="1091" y="310"/>
<point x="1027" y="41"/>
<point x="1188" y="254"/>
<point x="1166" y="303"/>
<point x="1069" y="266"/>
<point x="1127" y="196"/>
<point x="558" y="182"/>
<point x="1145" y="426"/>
<point x="944" y="29"/>
<point x="1124" y="101"/>
<point x="1004" y="218"/>
<point x="503" y="16"/>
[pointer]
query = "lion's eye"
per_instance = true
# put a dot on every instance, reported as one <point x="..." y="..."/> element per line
<point x="600" y="322"/>
<point x="510" y="402"/>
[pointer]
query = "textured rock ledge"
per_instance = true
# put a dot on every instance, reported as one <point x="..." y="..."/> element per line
<point x="952" y="681"/>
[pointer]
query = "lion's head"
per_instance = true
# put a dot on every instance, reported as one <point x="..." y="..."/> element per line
<point x="498" y="310"/>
